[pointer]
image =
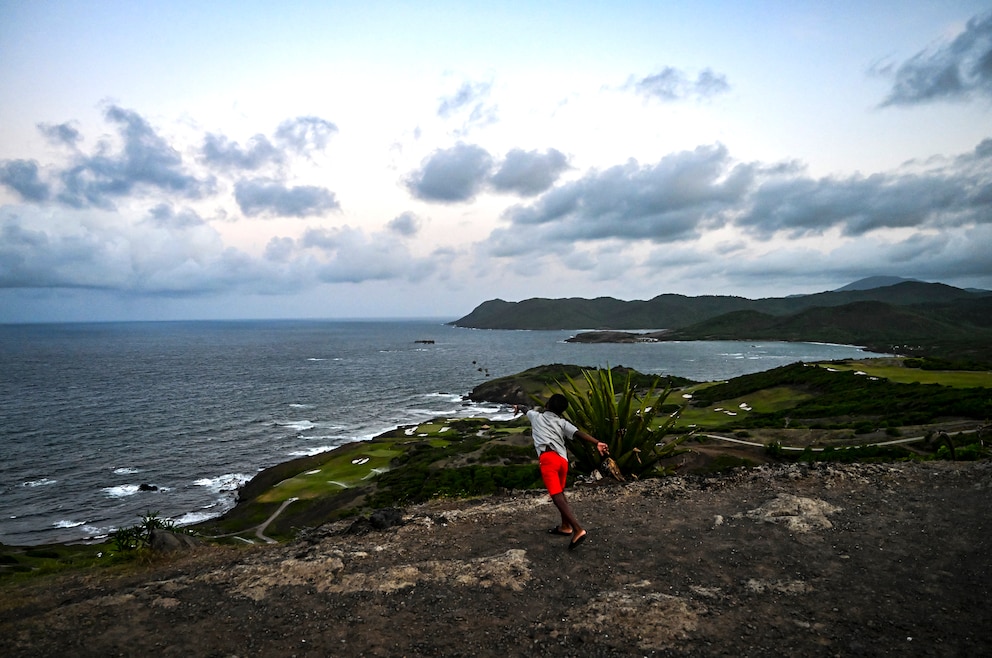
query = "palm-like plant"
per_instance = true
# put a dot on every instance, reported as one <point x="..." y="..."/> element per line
<point x="629" y="424"/>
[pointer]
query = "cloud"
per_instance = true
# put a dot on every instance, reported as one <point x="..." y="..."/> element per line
<point x="461" y="172"/>
<point x="954" y="71"/>
<point x="347" y="255"/>
<point x="264" y="197"/>
<point x="164" y="216"/>
<point x="529" y="173"/>
<point x="280" y="250"/>
<point x="668" y="201"/>
<point x="468" y="95"/>
<point x="300" y="136"/>
<point x="305" y="134"/>
<point x="671" y="84"/>
<point x="706" y="202"/>
<point x="451" y="175"/>
<point x="22" y="177"/>
<point x="62" y="134"/>
<point x="165" y="253"/>
<point x="145" y="160"/>
<point x="406" y="225"/>
<point x="220" y="152"/>
<point x="956" y="192"/>
<point x="470" y="103"/>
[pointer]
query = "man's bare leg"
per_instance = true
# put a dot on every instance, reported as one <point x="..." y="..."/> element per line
<point x="568" y="520"/>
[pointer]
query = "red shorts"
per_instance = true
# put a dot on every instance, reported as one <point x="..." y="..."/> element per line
<point x="553" y="471"/>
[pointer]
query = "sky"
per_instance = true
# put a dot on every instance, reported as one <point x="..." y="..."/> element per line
<point x="226" y="160"/>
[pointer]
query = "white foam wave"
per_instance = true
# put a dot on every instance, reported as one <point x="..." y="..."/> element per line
<point x="121" y="490"/>
<point x="125" y="470"/>
<point x="310" y="452"/>
<point x="299" y="425"/>
<point x="327" y="437"/>
<point x="223" y="483"/>
<point x="446" y="396"/>
<point x="94" y="532"/>
<point x="191" y="518"/>
<point x="68" y="524"/>
<point x="43" y="482"/>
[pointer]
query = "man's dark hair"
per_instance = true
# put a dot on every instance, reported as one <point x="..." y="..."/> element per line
<point x="557" y="403"/>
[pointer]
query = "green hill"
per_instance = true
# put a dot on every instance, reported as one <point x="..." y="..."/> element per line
<point x="933" y="320"/>
<point x="671" y="311"/>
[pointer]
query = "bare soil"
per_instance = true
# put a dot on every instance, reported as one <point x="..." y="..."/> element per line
<point x="785" y="560"/>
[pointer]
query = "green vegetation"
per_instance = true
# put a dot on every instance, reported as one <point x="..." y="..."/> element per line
<point x="628" y="424"/>
<point x="910" y="371"/>
<point x="830" y="409"/>
<point x="535" y="384"/>
<point x="140" y="535"/>
<point x="834" y="397"/>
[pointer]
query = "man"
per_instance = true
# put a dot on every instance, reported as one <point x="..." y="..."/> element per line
<point x="550" y="432"/>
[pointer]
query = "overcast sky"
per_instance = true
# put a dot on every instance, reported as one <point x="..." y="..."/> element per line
<point x="194" y="160"/>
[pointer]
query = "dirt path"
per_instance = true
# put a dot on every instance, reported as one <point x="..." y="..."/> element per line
<point x="823" y="560"/>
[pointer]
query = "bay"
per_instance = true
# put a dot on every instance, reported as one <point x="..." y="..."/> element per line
<point x="91" y="412"/>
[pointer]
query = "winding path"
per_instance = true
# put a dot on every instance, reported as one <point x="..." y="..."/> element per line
<point x="793" y="448"/>
<point x="260" y="530"/>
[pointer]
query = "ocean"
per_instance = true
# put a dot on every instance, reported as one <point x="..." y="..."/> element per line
<point x="91" y="412"/>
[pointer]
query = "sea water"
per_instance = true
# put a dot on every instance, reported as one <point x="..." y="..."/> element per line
<point x="89" y="413"/>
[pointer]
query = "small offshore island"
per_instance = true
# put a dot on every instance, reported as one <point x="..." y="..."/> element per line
<point x="814" y="509"/>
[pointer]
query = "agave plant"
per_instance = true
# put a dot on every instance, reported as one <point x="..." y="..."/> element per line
<point x="629" y="424"/>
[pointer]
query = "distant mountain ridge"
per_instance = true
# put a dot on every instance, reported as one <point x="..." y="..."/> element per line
<point x="673" y="311"/>
<point x="875" y="282"/>
<point x="931" y="320"/>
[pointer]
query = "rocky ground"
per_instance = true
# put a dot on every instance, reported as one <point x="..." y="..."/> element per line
<point x="824" y="560"/>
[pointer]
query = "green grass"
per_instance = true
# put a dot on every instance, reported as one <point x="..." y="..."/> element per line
<point x="768" y="400"/>
<point x="887" y="369"/>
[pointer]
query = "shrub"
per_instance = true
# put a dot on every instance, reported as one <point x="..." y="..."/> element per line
<point x="139" y="536"/>
<point x="628" y="424"/>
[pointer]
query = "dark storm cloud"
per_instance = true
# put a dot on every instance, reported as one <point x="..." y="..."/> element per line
<point x="688" y="193"/>
<point x="957" y="70"/>
<point x="145" y="160"/>
<point x="451" y="175"/>
<point x="263" y="197"/>
<point x="63" y="134"/>
<point x="672" y="84"/>
<point x="22" y="177"/>
<point x="305" y="134"/>
<point x="955" y="193"/>
<point x="219" y="151"/>
<point x="406" y="225"/>
<point x="529" y="173"/>
<point x="671" y="200"/>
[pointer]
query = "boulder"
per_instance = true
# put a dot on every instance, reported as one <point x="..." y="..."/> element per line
<point x="166" y="541"/>
<point x="382" y="519"/>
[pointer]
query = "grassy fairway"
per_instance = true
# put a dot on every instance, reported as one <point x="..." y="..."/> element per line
<point x="734" y="410"/>
<point x="350" y="468"/>
<point x="894" y="371"/>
